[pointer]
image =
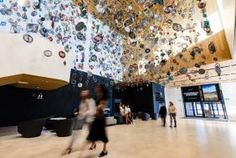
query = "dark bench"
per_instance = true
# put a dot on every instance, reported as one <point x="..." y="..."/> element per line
<point x="31" y="128"/>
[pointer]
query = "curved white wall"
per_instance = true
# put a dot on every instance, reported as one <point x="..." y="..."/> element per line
<point x="56" y="20"/>
<point x="175" y="95"/>
<point x="19" y="57"/>
<point x="228" y="90"/>
<point x="227" y="9"/>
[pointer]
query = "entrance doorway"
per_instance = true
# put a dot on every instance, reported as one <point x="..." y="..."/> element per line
<point x="193" y="109"/>
<point x="215" y="110"/>
<point x="205" y="109"/>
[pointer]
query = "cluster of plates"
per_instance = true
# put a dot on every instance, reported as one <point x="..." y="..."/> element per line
<point x="69" y="25"/>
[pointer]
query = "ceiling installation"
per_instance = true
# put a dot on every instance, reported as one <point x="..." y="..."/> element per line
<point x="163" y="38"/>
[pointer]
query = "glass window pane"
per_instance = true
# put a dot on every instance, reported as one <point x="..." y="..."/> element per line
<point x="189" y="109"/>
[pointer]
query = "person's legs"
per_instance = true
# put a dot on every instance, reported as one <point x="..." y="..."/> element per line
<point x="83" y="147"/>
<point x="73" y="137"/>
<point x="171" y="120"/>
<point x="130" y="118"/>
<point x="174" y="116"/>
<point x="126" y="118"/>
<point x="104" y="150"/>
<point x="164" y="121"/>
<point x="104" y="147"/>
<point x="93" y="146"/>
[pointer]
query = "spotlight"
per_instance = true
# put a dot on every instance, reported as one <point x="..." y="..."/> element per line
<point x="23" y="3"/>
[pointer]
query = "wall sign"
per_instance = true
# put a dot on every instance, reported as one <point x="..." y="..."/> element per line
<point x="191" y="94"/>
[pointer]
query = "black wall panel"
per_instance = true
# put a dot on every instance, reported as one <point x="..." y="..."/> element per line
<point x="18" y="104"/>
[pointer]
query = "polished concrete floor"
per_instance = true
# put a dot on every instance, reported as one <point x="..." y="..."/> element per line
<point x="192" y="139"/>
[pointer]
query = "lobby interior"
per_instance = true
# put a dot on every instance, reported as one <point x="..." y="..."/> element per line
<point x="146" y="53"/>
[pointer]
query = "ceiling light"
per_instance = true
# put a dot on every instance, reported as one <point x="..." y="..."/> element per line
<point x="23" y="3"/>
<point x="22" y="82"/>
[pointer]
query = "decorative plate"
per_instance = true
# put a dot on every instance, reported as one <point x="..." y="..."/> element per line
<point x="177" y="27"/>
<point x="141" y="45"/>
<point x="81" y="36"/>
<point x="93" y="58"/>
<point x="132" y="35"/>
<point x="169" y="9"/>
<point x="197" y="65"/>
<point x="218" y="69"/>
<point x="201" y="71"/>
<point x="80" y="47"/>
<point x="80" y="26"/>
<point x="28" y="38"/>
<point x="147" y="50"/>
<point x="47" y="53"/>
<point x="201" y="5"/>
<point x="183" y="70"/>
<point x="212" y="47"/>
<point x="215" y="59"/>
<point x="62" y="54"/>
<point x="197" y="50"/>
<point x="98" y="39"/>
<point x="80" y="85"/>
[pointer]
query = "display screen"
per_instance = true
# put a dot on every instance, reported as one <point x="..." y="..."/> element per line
<point x="210" y="93"/>
<point x="191" y="94"/>
<point x="159" y="96"/>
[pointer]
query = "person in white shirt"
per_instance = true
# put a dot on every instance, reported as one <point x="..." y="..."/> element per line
<point x="87" y="110"/>
<point x="122" y="110"/>
<point x="172" y="113"/>
<point x="127" y="114"/>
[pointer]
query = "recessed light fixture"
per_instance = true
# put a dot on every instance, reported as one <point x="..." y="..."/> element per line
<point x="23" y="3"/>
<point x="22" y="82"/>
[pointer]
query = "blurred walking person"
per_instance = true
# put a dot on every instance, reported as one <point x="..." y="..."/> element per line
<point x="163" y="113"/>
<point x="87" y="110"/>
<point x="98" y="131"/>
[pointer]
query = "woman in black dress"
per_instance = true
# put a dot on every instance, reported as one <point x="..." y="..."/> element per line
<point x="97" y="131"/>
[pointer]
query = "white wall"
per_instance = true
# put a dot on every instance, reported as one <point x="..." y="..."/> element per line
<point x="19" y="57"/>
<point x="175" y="95"/>
<point x="227" y="9"/>
<point x="60" y="20"/>
<point x="228" y="90"/>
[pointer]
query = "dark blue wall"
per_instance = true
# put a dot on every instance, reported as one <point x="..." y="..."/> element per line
<point x="141" y="98"/>
<point x="158" y="100"/>
<point x="18" y="104"/>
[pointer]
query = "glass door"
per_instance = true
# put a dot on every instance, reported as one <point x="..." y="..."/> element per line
<point x="193" y="109"/>
<point x="219" y="111"/>
<point x="189" y="109"/>
<point x="214" y="110"/>
<point x="205" y="109"/>
<point x="198" y="109"/>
